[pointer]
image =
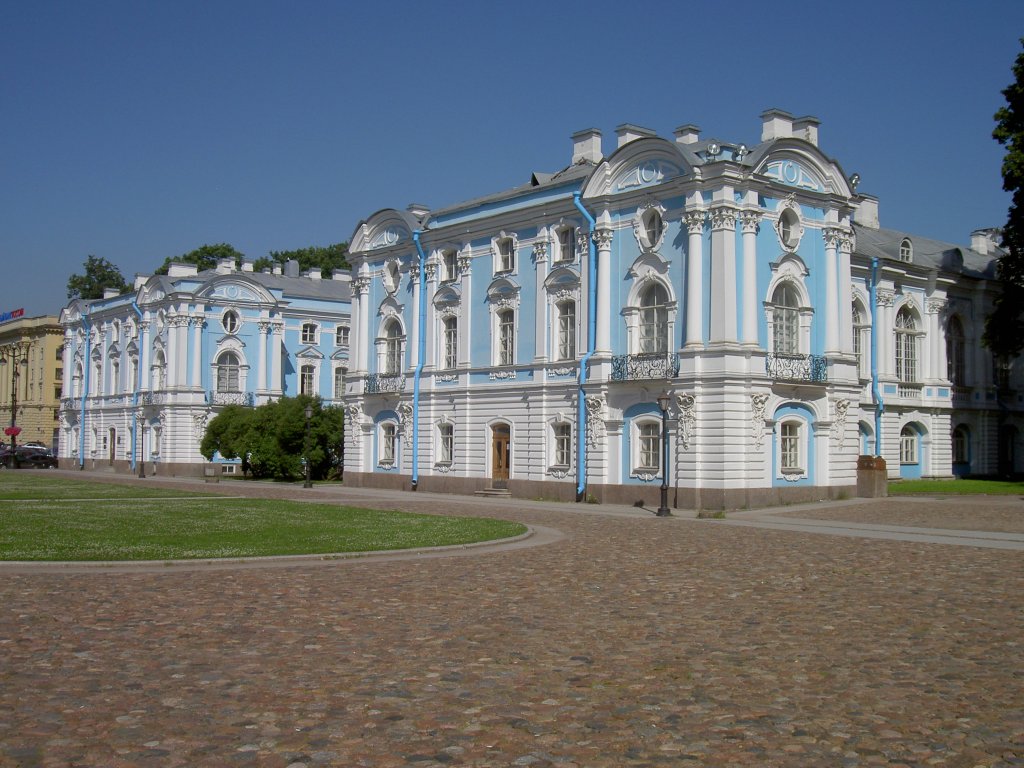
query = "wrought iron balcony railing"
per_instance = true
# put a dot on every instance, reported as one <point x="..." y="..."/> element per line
<point x="378" y="382"/>
<point x="153" y="398"/>
<point x="229" y="398"/>
<point x="797" y="367"/>
<point x="658" y="365"/>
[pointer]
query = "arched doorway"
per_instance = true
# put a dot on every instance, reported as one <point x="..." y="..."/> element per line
<point x="111" y="450"/>
<point x="501" y="455"/>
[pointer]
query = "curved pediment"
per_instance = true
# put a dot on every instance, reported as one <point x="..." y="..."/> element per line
<point x="639" y="164"/>
<point x="502" y="287"/>
<point x="797" y="164"/>
<point x="562" y="278"/>
<point x="447" y="294"/>
<point x="384" y="229"/>
<point x="233" y="289"/>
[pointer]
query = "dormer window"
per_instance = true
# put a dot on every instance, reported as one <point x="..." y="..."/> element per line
<point x="653" y="228"/>
<point x="906" y="250"/>
<point x="506" y="255"/>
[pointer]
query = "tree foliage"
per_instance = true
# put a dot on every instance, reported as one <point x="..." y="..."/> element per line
<point x="1004" y="328"/>
<point x="330" y="259"/>
<point x="270" y="439"/>
<point x="98" y="274"/>
<point x="204" y="257"/>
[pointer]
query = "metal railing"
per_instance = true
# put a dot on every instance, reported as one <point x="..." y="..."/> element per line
<point x="658" y="365"/>
<point x="797" y="367"/>
<point x="378" y="382"/>
<point x="229" y="398"/>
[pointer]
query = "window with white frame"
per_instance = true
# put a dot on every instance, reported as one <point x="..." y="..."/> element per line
<point x="506" y="255"/>
<point x="449" y="266"/>
<point x="907" y="335"/>
<point x="955" y="365"/>
<point x="230" y="321"/>
<point x="567" y="244"/>
<point x="392" y="348"/>
<point x="445" y="443"/>
<point x="388" y="442"/>
<point x="506" y="320"/>
<point x="309" y="333"/>
<point x="339" y="382"/>
<point x="908" y="445"/>
<point x="133" y="372"/>
<point x="159" y="369"/>
<point x="786" y="320"/>
<point x="228" y="373"/>
<point x="451" y="342"/>
<point x="648" y="454"/>
<point x="341" y="336"/>
<point x="115" y="376"/>
<point x="566" y="329"/>
<point x="789" y="229"/>
<point x="861" y="340"/>
<point x="562" y="435"/>
<point x="906" y="250"/>
<point x="653" y="327"/>
<point x="653" y="227"/>
<point x="960" y="445"/>
<point x="307" y="379"/>
<point x="791" y="447"/>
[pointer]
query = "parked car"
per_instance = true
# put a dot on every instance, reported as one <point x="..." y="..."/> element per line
<point x="28" y="457"/>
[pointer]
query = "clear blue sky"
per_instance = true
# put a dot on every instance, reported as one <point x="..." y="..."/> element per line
<point x="140" y="130"/>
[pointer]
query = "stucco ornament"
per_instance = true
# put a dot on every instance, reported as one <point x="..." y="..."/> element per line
<point x="199" y="422"/>
<point x="353" y="415"/>
<point x="404" y="410"/>
<point x="595" y="420"/>
<point x="687" y="419"/>
<point x="838" y="431"/>
<point x="758" y="405"/>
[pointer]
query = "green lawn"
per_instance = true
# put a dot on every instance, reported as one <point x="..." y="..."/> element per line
<point x="44" y="518"/>
<point x="947" y="487"/>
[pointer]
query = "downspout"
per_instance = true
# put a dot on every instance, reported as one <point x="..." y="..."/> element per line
<point x="135" y="397"/>
<point x="875" y="393"/>
<point x="421" y="351"/>
<point x="85" y="388"/>
<point x="581" y="405"/>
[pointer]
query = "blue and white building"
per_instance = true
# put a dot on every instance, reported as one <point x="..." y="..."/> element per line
<point x="145" y="371"/>
<point x="521" y="341"/>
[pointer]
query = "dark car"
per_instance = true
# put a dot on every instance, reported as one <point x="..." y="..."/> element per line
<point x="29" y="458"/>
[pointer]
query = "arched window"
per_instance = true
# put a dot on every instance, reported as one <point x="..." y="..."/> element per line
<point x="451" y="342"/>
<point x="906" y="250"/>
<point x="955" y="368"/>
<point x="906" y="346"/>
<point x="566" y="330"/>
<point x="861" y="340"/>
<point x="786" y="320"/>
<point x="307" y="379"/>
<point x="228" y="373"/>
<point x="908" y="445"/>
<point x="159" y="368"/>
<point x="654" y="320"/>
<point x="392" y="348"/>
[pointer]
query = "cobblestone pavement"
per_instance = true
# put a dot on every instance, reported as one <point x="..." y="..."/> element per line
<point x="630" y="641"/>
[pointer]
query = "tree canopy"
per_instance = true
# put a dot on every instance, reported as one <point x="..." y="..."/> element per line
<point x="204" y="257"/>
<point x="98" y="275"/>
<point x="1004" y="327"/>
<point x="270" y="439"/>
<point x="329" y="258"/>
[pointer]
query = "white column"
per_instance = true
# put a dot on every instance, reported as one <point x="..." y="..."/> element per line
<point x="831" y="236"/>
<point x="845" y="294"/>
<point x="362" y="287"/>
<point x="276" y="384"/>
<point x="695" y="278"/>
<point x="749" y="222"/>
<point x="723" y="274"/>
<point x="197" y="350"/>
<point x="171" y="370"/>
<point x="261" y="368"/>
<point x="144" y="343"/>
<point x="885" y="300"/>
<point x="414" y="337"/>
<point x="465" y="313"/>
<point x="936" y="338"/>
<point x="603" y="240"/>
<point x="67" y="362"/>
<point x="541" y="306"/>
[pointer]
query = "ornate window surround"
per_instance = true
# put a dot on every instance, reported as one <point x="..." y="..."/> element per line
<point x="790" y="268"/>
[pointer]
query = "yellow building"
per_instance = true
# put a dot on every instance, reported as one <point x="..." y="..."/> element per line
<point x="31" y="372"/>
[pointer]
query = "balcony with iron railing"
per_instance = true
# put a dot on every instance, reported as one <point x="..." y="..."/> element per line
<point x="214" y="397"/>
<point x="813" y="368"/>
<point x="377" y="383"/>
<point x="651" y="365"/>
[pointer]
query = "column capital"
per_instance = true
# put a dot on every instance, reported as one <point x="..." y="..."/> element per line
<point x="603" y="238"/>
<point x="833" y="236"/>
<point x="749" y="221"/>
<point x="540" y="251"/>
<point x="724" y="216"/>
<point x="885" y="297"/>
<point x="360" y="286"/>
<point x="695" y="221"/>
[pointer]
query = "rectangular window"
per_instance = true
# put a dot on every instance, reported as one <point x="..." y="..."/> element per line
<point x="451" y="342"/>
<point x="906" y="357"/>
<point x="449" y="266"/>
<point x="387" y="444"/>
<point x="787" y="328"/>
<point x="908" y="447"/>
<point x="339" y="383"/>
<point x="567" y="330"/>
<point x="447" y="443"/>
<point x="790" y="447"/>
<point x="306" y="380"/>
<point x="567" y="244"/>
<point x="506" y="255"/>
<point x="309" y="333"/>
<point x="563" y="445"/>
<point x="506" y="337"/>
<point x="650" y="447"/>
<point x="341" y="336"/>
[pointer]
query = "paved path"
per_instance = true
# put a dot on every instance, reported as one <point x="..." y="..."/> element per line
<point x="625" y="640"/>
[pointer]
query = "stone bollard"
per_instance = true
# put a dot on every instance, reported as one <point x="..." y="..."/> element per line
<point x="872" y="479"/>
<point x="212" y="473"/>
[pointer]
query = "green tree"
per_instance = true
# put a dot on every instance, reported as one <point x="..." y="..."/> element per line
<point x="1004" y="327"/>
<point x="270" y="439"/>
<point x="330" y="259"/>
<point x="204" y="257"/>
<point x="98" y="275"/>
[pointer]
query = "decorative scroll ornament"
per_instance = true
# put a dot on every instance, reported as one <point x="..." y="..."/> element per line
<point x="595" y="420"/>
<point x="687" y="419"/>
<point x="758" y="404"/>
<point x="838" y="432"/>
<point x="405" y="422"/>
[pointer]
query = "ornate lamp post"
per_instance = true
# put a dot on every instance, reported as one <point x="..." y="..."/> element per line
<point x="309" y="414"/>
<point x="664" y="399"/>
<point x="16" y="355"/>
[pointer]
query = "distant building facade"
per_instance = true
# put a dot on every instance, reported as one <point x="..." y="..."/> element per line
<point x="521" y="341"/>
<point x="144" y="372"/>
<point x="31" y="348"/>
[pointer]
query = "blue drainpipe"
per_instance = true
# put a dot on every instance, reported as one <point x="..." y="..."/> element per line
<point x="879" y="403"/>
<point x="85" y="388"/>
<point x="135" y="398"/>
<point x="581" y="413"/>
<point x="421" y="352"/>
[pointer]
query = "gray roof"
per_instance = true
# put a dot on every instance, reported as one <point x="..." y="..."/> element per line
<point x="885" y="244"/>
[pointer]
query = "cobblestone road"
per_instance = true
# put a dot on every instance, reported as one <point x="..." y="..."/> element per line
<point x="630" y="641"/>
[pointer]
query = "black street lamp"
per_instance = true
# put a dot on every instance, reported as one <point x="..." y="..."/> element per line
<point x="17" y="355"/>
<point x="142" y="450"/>
<point x="309" y="415"/>
<point x="664" y="399"/>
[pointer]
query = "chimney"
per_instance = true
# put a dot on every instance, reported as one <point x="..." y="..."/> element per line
<point x="225" y="266"/>
<point x="246" y="265"/>
<point x="140" y="280"/>
<point x="110" y="293"/>
<point x="291" y="268"/>
<point x="986" y="241"/>
<point x="866" y="213"/>
<point x="418" y="210"/>
<point x="776" y="124"/>
<point x="343" y="277"/>
<point x="628" y="132"/>
<point x="315" y="273"/>
<point x="181" y="270"/>
<point x="806" y="128"/>
<point x="277" y="269"/>
<point x="586" y="146"/>
<point x="687" y="134"/>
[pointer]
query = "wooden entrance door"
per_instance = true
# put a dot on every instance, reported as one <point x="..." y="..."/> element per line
<point x="113" y="441"/>
<point x="501" y="455"/>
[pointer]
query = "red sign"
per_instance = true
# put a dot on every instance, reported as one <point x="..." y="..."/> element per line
<point x="12" y="431"/>
<point x="12" y="315"/>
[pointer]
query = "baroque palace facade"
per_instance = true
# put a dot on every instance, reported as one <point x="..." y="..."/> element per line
<point x="529" y="340"/>
<point x="145" y="371"/>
